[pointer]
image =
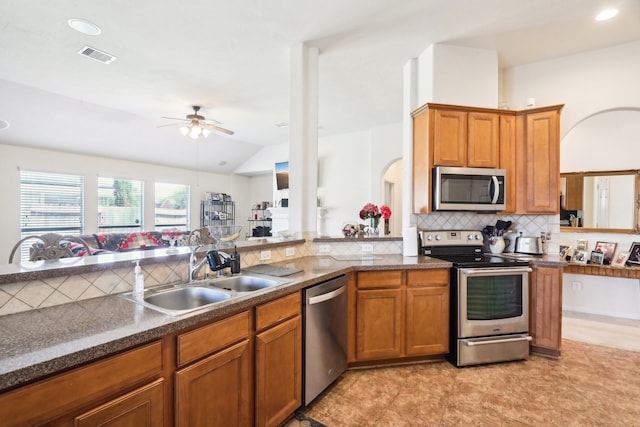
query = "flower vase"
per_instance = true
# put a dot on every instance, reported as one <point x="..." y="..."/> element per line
<point x="373" y="230"/>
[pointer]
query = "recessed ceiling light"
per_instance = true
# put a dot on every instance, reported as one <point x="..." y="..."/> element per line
<point x="222" y="163"/>
<point x="84" y="26"/>
<point x="4" y="124"/>
<point x="606" y="14"/>
<point x="282" y="124"/>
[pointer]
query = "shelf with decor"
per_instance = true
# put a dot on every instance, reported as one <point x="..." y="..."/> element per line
<point x="603" y="270"/>
<point x="260" y="222"/>
<point x="217" y="210"/>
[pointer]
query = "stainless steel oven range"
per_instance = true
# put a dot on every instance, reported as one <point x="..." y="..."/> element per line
<point x="489" y="305"/>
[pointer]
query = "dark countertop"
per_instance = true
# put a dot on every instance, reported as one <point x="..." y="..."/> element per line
<point x="546" y="260"/>
<point x="41" y="342"/>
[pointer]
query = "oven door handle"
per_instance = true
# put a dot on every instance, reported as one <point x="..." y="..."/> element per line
<point x="498" y="341"/>
<point x="495" y="271"/>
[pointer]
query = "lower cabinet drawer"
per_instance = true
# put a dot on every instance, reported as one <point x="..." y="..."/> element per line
<point x="59" y="395"/>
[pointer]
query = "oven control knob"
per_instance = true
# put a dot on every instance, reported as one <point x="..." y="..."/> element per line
<point x="477" y="237"/>
<point x="470" y="237"/>
<point x="429" y="237"/>
<point x="437" y="237"/>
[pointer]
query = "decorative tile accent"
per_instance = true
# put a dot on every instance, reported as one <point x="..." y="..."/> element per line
<point x="15" y="297"/>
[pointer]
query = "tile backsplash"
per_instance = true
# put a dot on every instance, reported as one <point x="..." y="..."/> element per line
<point x="529" y="225"/>
<point x="22" y="296"/>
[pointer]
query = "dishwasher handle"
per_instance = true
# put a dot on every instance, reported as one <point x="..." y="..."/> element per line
<point x="325" y="297"/>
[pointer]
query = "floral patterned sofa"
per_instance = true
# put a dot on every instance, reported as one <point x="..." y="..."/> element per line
<point x="121" y="242"/>
<point x="54" y="246"/>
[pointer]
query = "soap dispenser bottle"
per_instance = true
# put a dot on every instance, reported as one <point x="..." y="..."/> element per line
<point x="138" y="280"/>
<point x="234" y="259"/>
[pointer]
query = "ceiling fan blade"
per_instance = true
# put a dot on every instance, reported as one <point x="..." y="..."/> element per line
<point x="218" y="128"/>
<point x="174" y="118"/>
<point x="170" y="124"/>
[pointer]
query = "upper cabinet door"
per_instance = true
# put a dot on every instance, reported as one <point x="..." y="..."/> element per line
<point x="543" y="162"/>
<point x="483" y="140"/>
<point x="508" y="160"/>
<point x="449" y="138"/>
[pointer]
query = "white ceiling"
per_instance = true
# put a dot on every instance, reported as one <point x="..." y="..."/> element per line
<point x="232" y="58"/>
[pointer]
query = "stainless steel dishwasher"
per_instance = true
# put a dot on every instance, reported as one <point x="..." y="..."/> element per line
<point x="325" y="335"/>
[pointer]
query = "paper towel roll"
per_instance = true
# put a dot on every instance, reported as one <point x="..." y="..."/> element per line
<point x="410" y="241"/>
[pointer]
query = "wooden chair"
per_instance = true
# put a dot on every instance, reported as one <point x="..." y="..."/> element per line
<point x="50" y="246"/>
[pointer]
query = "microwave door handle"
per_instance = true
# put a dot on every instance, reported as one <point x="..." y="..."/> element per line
<point x="496" y="189"/>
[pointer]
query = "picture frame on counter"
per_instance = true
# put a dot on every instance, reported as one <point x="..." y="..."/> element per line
<point x="634" y="254"/>
<point x="580" y="256"/>
<point x="565" y="252"/>
<point x="608" y="249"/>
<point x="582" y="244"/>
<point x="596" y="258"/>
<point x="620" y="260"/>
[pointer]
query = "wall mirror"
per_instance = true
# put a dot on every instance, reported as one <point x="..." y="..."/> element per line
<point x="600" y="201"/>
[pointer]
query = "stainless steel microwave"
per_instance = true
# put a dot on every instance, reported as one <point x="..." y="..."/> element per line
<point x="469" y="189"/>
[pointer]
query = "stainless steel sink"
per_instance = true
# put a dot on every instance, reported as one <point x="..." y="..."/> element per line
<point x="180" y="300"/>
<point x="244" y="283"/>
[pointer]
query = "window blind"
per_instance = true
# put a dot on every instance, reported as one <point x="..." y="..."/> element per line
<point x="120" y="205"/>
<point x="50" y="203"/>
<point x="171" y="206"/>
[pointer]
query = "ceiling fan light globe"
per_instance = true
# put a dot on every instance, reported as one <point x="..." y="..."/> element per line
<point x="206" y="132"/>
<point x="195" y="132"/>
<point x="184" y="130"/>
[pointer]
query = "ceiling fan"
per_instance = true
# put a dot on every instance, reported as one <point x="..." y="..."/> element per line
<point x="196" y="126"/>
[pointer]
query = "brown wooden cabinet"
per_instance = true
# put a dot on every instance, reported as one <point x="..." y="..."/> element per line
<point x="119" y="389"/>
<point x="573" y="191"/>
<point x="508" y="159"/>
<point x="141" y="407"/>
<point x="278" y="360"/>
<point x="427" y="326"/>
<point x="545" y="310"/>
<point x="215" y="390"/>
<point x="483" y="139"/>
<point x="449" y="137"/>
<point x="524" y="143"/>
<point x="464" y="138"/>
<point x="380" y="323"/>
<point x="538" y="161"/>
<point x="401" y="314"/>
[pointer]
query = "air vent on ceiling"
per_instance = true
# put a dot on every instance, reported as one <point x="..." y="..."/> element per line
<point x="98" y="55"/>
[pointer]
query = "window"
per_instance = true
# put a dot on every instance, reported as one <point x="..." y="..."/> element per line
<point x="119" y="205"/>
<point x="171" y="206"/>
<point x="50" y="203"/>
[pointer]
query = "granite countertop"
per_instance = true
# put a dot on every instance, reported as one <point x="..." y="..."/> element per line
<point x="41" y="342"/>
<point x="546" y="260"/>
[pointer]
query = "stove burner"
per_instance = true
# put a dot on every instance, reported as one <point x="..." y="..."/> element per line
<point x="463" y="248"/>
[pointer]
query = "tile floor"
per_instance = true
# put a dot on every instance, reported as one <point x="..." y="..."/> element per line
<point x="591" y="385"/>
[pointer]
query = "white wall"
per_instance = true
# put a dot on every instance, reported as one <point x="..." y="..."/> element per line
<point x="16" y="158"/>
<point x="586" y="83"/>
<point x="458" y="75"/>
<point x="590" y="83"/>
<point x="350" y="170"/>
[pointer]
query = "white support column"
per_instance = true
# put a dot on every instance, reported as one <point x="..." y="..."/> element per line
<point x="303" y="139"/>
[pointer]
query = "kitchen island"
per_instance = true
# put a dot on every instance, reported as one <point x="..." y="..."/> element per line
<point x="73" y="343"/>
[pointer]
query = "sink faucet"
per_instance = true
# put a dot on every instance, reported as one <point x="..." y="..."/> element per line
<point x="194" y="264"/>
<point x="221" y="260"/>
